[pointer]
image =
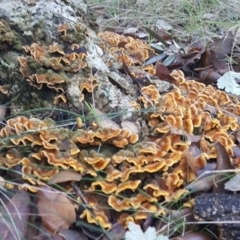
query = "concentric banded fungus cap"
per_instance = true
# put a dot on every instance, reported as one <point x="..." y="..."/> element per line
<point x="105" y="133"/>
<point x="117" y="204"/>
<point x="99" y="218"/>
<point x="62" y="28"/>
<point x="132" y="185"/>
<point x="88" y="84"/>
<point x="106" y="187"/>
<point x="56" y="48"/>
<point x="124" y="219"/>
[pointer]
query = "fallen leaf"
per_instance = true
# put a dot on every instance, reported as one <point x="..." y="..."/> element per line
<point x="237" y="135"/>
<point x="223" y="163"/>
<point x="169" y="60"/>
<point x="142" y="35"/>
<point x="116" y="233"/>
<point x="14" y="219"/>
<point x="182" y="132"/>
<point x="205" y="59"/>
<point x="164" y="34"/>
<point x="178" y="214"/>
<point x="72" y="235"/>
<point x="56" y="210"/>
<point x="161" y="24"/>
<point x="156" y="36"/>
<point x="211" y="109"/>
<point x="219" y="65"/>
<point x="132" y="30"/>
<point x="154" y="59"/>
<point x="65" y="176"/>
<point x="209" y="76"/>
<point x="2" y="112"/>
<point x="204" y="181"/>
<point x="135" y="232"/>
<point x="223" y="46"/>
<point x="228" y="81"/>
<point x="202" y="184"/>
<point x="163" y="73"/>
<point x="127" y="71"/>
<point x="208" y="167"/>
<point x="236" y="151"/>
<point x="104" y="121"/>
<point x="130" y="126"/>
<point x="233" y="184"/>
<point x="195" y="149"/>
<point x="2" y="182"/>
<point x="158" y="47"/>
<point x="190" y="161"/>
<point x="148" y="222"/>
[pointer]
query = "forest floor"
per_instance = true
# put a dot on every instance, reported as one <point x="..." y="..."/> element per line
<point x="186" y="20"/>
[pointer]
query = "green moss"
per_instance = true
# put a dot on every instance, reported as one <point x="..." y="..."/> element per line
<point x="9" y="37"/>
<point x="79" y="36"/>
<point x="64" y="76"/>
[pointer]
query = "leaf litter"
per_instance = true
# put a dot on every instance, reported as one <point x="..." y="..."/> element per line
<point x="56" y="210"/>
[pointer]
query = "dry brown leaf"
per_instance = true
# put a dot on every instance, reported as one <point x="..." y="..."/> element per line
<point x="210" y="109"/>
<point x="56" y="210"/>
<point x="182" y="132"/>
<point x="202" y="184"/>
<point x="53" y="237"/>
<point x="186" y="213"/>
<point x="204" y="181"/>
<point x="116" y="233"/>
<point x="206" y="58"/>
<point x="209" y="76"/>
<point x="223" y="163"/>
<point x="190" y="161"/>
<point x="208" y="167"/>
<point x="65" y="176"/>
<point x="72" y="235"/>
<point x="148" y="222"/>
<point x="237" y="135"/>
<point x="163" y="73"/>
<point x="14" y="221"/>
<point x="236" y="151"/>
<point x="195" y="149"/>
<point x="223" y="46"/>
<point x="221" y="66"/>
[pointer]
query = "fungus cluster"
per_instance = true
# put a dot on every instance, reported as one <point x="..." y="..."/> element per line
<point x="191" y="113"/>
<point x="126" y="49"/>
<point x="73" y="34"/>
<point x="115" y="173"/>
<point x="132" y="174"/>
<point x="49" y="65"/>
<point x="125" y="171"/>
